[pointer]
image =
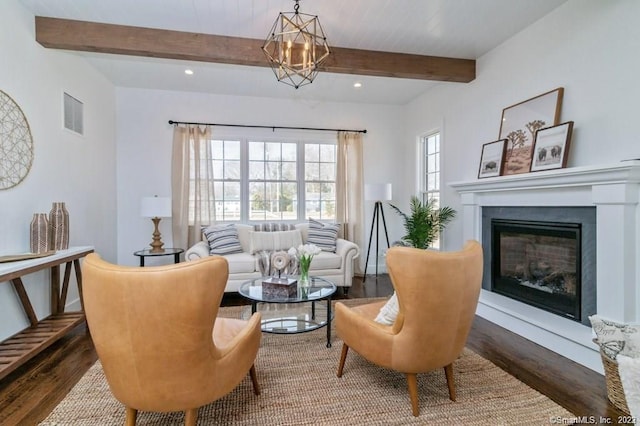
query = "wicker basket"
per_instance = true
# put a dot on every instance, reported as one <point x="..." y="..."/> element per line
<point x="615" y="393"/>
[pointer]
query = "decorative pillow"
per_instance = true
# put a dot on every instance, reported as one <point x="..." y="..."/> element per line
<point x="223" y="239"/>
<point x="271" y="241"/>
<point x="273" y="227"/>
<point x="389" y="311"/>
<point x="615" y="338"/>
<point x="323" y="235"/>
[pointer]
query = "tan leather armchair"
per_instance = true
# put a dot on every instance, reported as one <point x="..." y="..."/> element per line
<point x="158" y="337"/>
<point x="437" y="296"/>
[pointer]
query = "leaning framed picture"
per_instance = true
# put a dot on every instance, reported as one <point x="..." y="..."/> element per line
<point x="492" y="159"/>
<point x="551" y="147"/>
<point x="520" y="123"/>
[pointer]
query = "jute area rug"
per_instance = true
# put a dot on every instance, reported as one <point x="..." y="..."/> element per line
<point x="297" y="374"/>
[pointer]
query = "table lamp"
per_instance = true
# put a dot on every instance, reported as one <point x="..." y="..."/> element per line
<point x="156" y="207"/>
<point x="377" y="192"/>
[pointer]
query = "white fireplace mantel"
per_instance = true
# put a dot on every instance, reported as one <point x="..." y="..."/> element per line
<point x="615" y="192"/>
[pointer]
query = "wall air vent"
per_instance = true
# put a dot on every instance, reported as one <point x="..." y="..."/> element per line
<point x="73" y="114"/>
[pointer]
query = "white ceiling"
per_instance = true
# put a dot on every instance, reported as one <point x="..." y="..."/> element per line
<point x="451" y="28"/>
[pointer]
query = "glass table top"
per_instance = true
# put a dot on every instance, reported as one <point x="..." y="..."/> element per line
<point x="165" y="252"/>
<point x="319" y="288"/>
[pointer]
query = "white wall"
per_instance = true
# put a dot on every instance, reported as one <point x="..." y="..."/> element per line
<point x="589" y="47"/>
<point x="77" y="170"/>
<point x="144" y="147"/>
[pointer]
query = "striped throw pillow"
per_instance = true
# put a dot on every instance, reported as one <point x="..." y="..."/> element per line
<point x="223" y="239"/>
<point x="323" y="235"/>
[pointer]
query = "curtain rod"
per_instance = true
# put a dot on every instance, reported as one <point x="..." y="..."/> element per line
<point x="273" y="128"/>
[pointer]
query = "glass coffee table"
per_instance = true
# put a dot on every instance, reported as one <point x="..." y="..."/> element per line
<point x="295" y="313"/>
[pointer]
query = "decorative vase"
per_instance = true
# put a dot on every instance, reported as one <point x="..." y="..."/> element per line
<point x="59" y="225"/>
<point x="39" y="240"/>
<point x="303" y="282"/>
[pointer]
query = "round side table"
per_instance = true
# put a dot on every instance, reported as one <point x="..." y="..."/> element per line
<point x="166" y="252"/>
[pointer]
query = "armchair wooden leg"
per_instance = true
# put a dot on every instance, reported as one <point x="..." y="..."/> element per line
<point x="130" y="419"/>
<point x="448" y="371"/>
<point x="412" y="384"/>
<point x="191" y="417"/>
<point x="343" y="358"/>
<point x="254" y="380"/>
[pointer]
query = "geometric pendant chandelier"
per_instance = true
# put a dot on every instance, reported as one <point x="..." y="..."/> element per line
<point x="295" y="47"/>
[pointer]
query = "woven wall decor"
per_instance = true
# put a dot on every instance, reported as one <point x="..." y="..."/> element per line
<point x="16" y="143"/>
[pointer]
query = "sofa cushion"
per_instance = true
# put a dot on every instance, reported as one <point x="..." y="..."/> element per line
<point x="241" y="263"/>
<point x="223" y="239"/>
<point x="270" y="241"/>
<point x="326" y="260"/>
<point x="323" y="235"/>
<point x="244" y="236"/>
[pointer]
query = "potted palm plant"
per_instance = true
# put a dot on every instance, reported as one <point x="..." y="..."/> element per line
<point x="424" y="223"/>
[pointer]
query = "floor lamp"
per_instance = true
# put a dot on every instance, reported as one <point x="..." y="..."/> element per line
<point x="377" y="192"/>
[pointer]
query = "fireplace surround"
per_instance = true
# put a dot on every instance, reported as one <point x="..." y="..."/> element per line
<point x="611" y="193"/>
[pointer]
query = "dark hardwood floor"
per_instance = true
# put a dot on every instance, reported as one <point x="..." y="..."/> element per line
<point x="31" y="392"/>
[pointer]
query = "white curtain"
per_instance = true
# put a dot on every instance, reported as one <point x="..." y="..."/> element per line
<point x="349" y="188"/>
<point x="191" y="179"/>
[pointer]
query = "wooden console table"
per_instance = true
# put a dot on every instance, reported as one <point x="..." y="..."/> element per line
<point x="19" y="348"/>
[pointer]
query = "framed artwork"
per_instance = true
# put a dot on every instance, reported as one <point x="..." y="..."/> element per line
<point x="520" y="123"/>
<point x="551" y="147"/>
<point x="492" y="158"/>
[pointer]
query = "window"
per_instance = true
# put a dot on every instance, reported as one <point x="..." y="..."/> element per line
<point x="265" y="180"/>
<point x="320" y="180"/>
<point x="431" y="172"/>
<point x="273" y="185"/>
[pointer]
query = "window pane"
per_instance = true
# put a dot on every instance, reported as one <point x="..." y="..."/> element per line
<point x="431" y="182"/>
<point x="311" y="152"/>
<point x="328" y="191"/>
<point x="328" y="210"/>
<point x="431" y="163"/>
<point x="327" y="153"/>
<point x="232" y="191"/>
<point x="312" y="191"/>
<point x="272" y="151"/>
<point x="217" y="149"/>
<point x="289" y="151"/>
<point x="218" y="169"/>
<point x="232" y="150"/>
<point x="312" y="171"/>
<point x="232" y="170"/>
<point x="256" y="170"/>
<point x="327" y="171"/>
<point x="273" y="170"/>
<point x="256" y="151"/>
<point x="289" y="171"/>
<point x="257" y="200"/>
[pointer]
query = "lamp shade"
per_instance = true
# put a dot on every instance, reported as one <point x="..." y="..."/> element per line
<point x="377" y="191"/>
<point x="155" y="207"/>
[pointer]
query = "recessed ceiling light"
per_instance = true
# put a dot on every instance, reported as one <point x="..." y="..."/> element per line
<point x="188" y="72"/>
<point x="357" y="85"/>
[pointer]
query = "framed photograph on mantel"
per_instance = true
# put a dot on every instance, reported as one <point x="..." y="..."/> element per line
<point x="520" y="123"/>
<point x="551" y="147"/>
<point x="492" y="159"/>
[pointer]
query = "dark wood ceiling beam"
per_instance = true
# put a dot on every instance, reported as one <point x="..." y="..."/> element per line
<point x="83" y="36"/>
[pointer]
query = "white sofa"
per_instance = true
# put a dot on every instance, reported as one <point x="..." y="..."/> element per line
<point x="336" y="267"/>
